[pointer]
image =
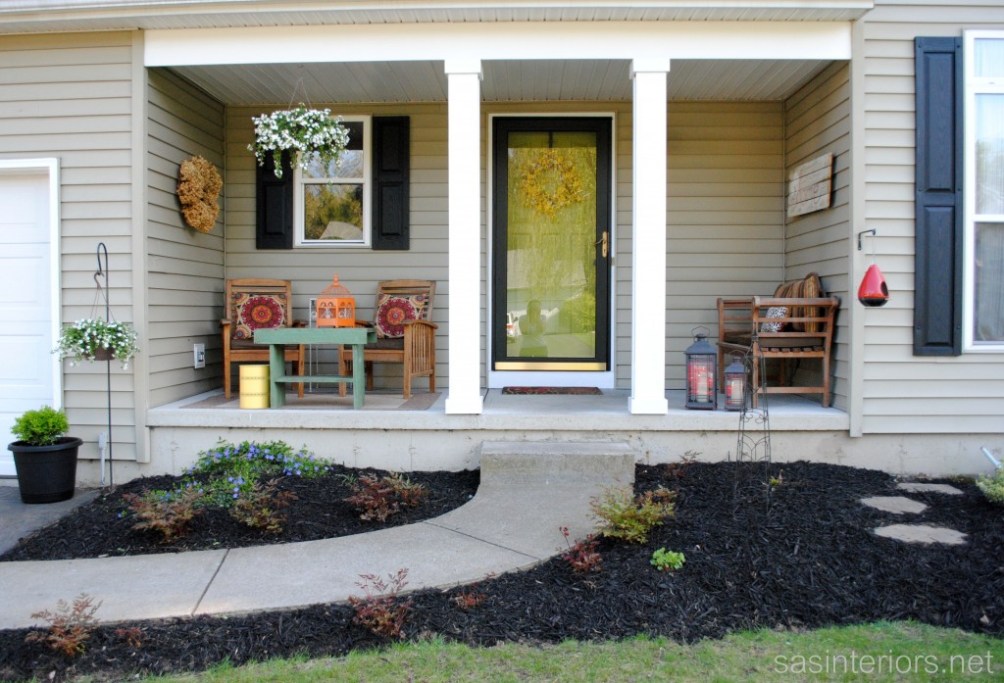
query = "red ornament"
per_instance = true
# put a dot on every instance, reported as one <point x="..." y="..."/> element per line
<point x="873" y="290"/>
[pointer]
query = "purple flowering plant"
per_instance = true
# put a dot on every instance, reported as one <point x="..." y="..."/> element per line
<point x="230" y="471"/>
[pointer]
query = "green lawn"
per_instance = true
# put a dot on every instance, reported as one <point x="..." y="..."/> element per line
<point x="901" y="651"/>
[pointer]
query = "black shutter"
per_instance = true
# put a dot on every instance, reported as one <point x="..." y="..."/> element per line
<point x="274" y="227"/>
<point x="937" y="314"/>
<point x="391" y="160"/>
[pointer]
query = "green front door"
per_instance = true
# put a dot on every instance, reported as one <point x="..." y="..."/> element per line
<point x="551" y="250"/>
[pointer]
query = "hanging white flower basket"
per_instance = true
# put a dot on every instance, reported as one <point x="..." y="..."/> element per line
<point x="302" y="131"/>
<point x="95" y="339"/>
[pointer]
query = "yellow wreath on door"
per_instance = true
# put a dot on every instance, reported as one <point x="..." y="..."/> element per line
<point x="550" y="182"/>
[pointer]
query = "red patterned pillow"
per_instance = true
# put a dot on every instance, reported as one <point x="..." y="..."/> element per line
<point x="257" y="311"/>
<point x="394" y="311"/>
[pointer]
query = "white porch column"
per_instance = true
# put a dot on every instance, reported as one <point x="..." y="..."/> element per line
<point x="648" y="250"/>
<point x="464" y="177"/>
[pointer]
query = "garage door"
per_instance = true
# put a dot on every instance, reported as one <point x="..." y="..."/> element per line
<point x="27" y="371"/>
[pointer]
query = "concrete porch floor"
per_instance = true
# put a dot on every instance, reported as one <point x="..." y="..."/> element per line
<point x="390" y="433"/>
<point x="561" y="412"/>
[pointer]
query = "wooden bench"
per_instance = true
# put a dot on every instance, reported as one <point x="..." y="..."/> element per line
<point x="784" y="328"/>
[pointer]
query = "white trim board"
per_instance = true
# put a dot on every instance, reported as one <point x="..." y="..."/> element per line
<point x="529" y="40"/>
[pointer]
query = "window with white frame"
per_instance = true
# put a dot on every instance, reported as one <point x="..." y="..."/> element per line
<point x="984" y="191"/>
<point x="332" y="203"/>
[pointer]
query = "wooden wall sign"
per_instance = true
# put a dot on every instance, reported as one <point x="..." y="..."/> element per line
<point x="811" y="186"/>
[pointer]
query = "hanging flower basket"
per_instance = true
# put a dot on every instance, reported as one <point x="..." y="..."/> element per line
<point x="104" y="353"/>
<point x="302" y="131"/>
<point x="95" y="339"/>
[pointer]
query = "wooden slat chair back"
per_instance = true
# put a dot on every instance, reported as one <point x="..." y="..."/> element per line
<point x="787" y="328"/>
<point x="275" y="300"/>
<point x="414" y="349"/>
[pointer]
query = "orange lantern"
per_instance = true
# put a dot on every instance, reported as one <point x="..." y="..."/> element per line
<point x="336" y="307"/>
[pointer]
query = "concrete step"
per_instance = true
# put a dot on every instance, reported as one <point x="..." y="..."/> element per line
<point x="589" y="465"/>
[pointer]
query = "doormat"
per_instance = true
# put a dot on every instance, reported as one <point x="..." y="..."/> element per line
<point x="551" y="390"/>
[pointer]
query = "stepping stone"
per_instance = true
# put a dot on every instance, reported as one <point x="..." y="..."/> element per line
<point x="922" y="533"/>
<point x="915" y="487"/>
<point x="898" y="505"/>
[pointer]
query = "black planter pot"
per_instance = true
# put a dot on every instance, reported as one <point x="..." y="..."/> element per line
<point x="46" y="474"/>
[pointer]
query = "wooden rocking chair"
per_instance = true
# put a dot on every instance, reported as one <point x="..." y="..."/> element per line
<point x="257" y="303"/>
<point x="405" y="334"/>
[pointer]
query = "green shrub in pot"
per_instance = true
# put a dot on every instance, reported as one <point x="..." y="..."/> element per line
<point x="42" y="427"/>
<point x="45" y="459"/>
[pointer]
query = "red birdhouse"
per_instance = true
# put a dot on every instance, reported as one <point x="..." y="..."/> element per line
<point x="873" y="290"/>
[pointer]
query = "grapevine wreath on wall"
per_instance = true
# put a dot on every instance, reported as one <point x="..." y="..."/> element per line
<point x="199" y="186"/>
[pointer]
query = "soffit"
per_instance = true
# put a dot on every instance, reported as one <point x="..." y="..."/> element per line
<point x="504" y="81"/>
<point x="35" y="16"/>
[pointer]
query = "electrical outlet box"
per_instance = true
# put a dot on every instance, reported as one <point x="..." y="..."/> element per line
<point x="199" y="351"/>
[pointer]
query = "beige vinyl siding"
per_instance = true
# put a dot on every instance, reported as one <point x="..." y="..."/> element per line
<point x="724" y="214"/>
<point x="69" y="96"/>
<point x="817" y="122"/>
<point x="901" y="392"/>
<point x="184" y="266"/>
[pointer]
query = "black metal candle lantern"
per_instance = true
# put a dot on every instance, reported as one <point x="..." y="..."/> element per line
<point x="702" y="360"/>
<point x="735" y="384"/>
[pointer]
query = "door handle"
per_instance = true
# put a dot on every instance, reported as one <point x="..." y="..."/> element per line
<point x="605" y="241"/>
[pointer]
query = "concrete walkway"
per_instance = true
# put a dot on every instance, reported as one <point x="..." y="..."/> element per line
<point x="527" y="491"/>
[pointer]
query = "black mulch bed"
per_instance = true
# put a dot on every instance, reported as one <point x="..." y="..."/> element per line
<point x="102" y="528"/>
<point x="803" y="557"/>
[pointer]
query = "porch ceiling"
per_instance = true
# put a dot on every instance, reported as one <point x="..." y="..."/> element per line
<point x="504" y="81"/>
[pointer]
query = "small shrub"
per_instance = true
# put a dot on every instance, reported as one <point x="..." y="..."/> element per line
<point x="632" y="518"/>
<point x="41" y="427"/>
<point x="380" y="611"/>
<point x="166" y="512"/>
<point x="377" y="498"/>
<point x="467" y="600"/>
<point x="70" y="626"/>
<point x="583" y="557"/>
<point x="132" y="635"/>
<point x="992" y="486"/>
<point x="776" y="480"/>
<point x="677" y="470"/>
<point x="263" y="507"/>
<point x="667" y="560"/>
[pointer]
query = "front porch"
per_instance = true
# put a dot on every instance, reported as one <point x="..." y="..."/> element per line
<point x="694" y="209"/>
<point x="419" y="434"/>
<point x="691" y="207"/>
